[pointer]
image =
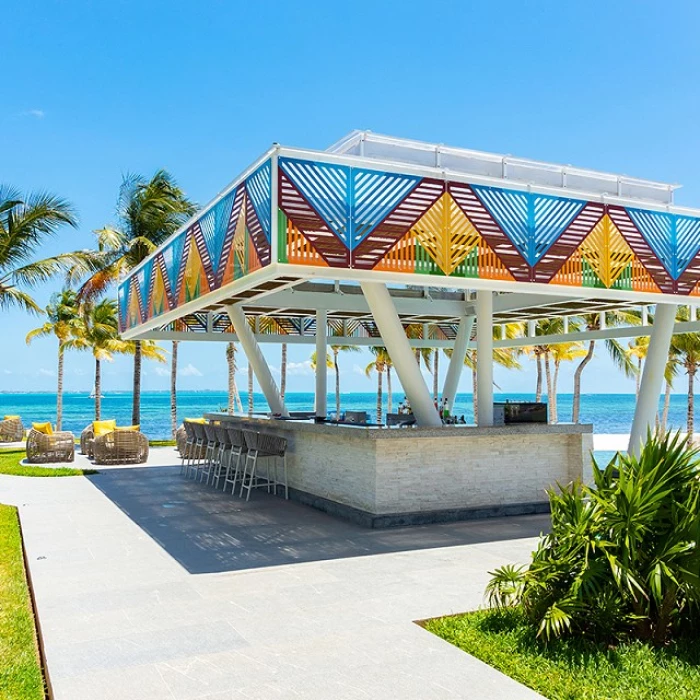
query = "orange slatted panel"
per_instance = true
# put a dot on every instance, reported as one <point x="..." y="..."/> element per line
<point x="490" y="265"/>
<point x="642" y="281"/>
<point x="401" y="257"/>
<point x="571" y="272"/>
<point x="300" y="250"/>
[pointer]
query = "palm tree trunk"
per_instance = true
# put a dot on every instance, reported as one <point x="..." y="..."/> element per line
<point x="436" y="360"/>
<point x="379" y="395"/>
<point x="553" y="416"/>
<point x="576" y="414"/>
<point x="136" y="408"/>
<point x="173" y="390"/>
<point x="667" y="405"/>
<point x="283" y="371"/>
<point x="98" y="389"/>
<point x="548" y="375"/>
<point x="337" y="383"/>
<point x="388" y="389"/>
<point x="638" y="377"/>
<point x="251" y="403"/>
<point x="691" y="400"/>
<point x="59" y="389"/>
<point x="538" y="388"/>
<point x="232" y="389"/>
<point x="475" y="395"/>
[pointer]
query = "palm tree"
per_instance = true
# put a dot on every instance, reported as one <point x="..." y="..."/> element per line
<point x="283" y="371"/>
<point x="336" y="349"/>
<point x="637" y="350"/>
<point x="686" y="347"/>
<point x="234" y="398"/>
<point x="436" y="362"/>
<point x="562" y="352"/>
<point x="329" y="361"/>
<point x="148" y="212"/>
<point x="25" y="224"/>
<point x="173" y="389"/>
<point x="63" y="314"/>
<point x="378" y="365"/>
<point x="251" y="401"/>
<point x="592" y="322"/>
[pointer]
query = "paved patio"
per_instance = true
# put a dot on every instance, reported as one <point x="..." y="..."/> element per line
<point x="152" y="587"/>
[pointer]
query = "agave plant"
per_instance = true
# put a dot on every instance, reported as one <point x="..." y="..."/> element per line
<point x="622" y="559"/>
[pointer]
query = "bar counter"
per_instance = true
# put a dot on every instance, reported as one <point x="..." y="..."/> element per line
<point x="397" y="476"/>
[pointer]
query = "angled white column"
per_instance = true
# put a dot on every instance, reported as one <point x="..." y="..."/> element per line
<point x="484" y="357"/>
<point x="459" y="353"/>
<point x="404" y="361"/>
<point x="256" y="359"/>
<point x="321" y="369"/>
<point x="652" y="375"/>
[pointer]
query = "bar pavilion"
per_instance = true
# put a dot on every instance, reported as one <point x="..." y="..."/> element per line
<point x="405" y="244"/>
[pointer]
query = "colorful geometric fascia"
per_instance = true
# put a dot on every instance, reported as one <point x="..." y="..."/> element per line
<point x="339" y="216"/>
<point x="228" y="241"/>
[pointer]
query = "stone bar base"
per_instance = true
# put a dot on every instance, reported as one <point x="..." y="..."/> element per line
<point x="385" y="477"/>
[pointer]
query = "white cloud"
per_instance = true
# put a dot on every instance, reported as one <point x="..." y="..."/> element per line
<point x="36" y="113"/>
<point x="161" y="371"/>
<point x="46" y="372"/>
<point x="189" y="371"/>
<point x="299" y="368"/>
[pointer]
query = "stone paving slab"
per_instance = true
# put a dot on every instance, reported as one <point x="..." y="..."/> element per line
<point x="149" y="586"/>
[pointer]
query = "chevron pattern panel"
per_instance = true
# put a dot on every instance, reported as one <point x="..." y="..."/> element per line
<point x="228" y="241"/>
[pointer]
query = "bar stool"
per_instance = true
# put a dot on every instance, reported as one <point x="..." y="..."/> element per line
<point x="223" y="456"/>
<point x="263" y="446"/>
<point x="238" y="449"/>
<point x="212" y="446"/>
<point x="195" y="463"/>
<point x="189" y="447"/>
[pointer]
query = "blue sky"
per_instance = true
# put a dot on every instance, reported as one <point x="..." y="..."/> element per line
<point x="97" y="89"/>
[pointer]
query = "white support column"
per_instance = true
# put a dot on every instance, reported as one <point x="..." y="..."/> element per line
<point x="404" y="361"/>
<point x="484" y="357"/>
<point x="256" y="359"/>
<point x="321" y="369"/>
<point x="652" y="375"/>
<point x="459" y="352"/>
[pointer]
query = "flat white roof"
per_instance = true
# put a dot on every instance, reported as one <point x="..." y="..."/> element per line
<point x="505" y="167"/>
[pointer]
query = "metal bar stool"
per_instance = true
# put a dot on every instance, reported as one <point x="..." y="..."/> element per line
<point x="212" y="446"/>
<point x="195" y="463"/>
<point x="263" y="446"/>
<point x="189" y="450"/>
<point x="222" y="461"/>
<point x="238" y="449"/>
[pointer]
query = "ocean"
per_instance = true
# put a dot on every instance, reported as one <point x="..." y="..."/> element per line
<point x="609" y="413"/>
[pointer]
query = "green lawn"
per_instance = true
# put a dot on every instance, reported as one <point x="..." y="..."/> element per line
<point x="9" y="464"/>
<point x="20" y="670"/>
<point x="574" y="670"/>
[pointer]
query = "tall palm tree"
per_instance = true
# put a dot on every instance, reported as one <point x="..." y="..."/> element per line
<point x="283" y="371"/>
<point x="592" y="322"/>
<point x="234" y="398"/>
<point x="26" y="222"/>
<point x="686" y="347"/>
<point x="251" y="400"/>
<point x="336" y="350"/>
<point x="561" y="352"/>
<point x="148" y="212"/>
<point x="378" y="365"/>
<point x="63" y="321"/>
<point x="436" y="364"/>
<point x="173" y="389"/>
<point x="329" y="361"/>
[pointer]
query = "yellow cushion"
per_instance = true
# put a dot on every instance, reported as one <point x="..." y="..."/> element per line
<point x="102" y="427"/>
<point x="11" y="418"/>
<point x="196" y="420"/>
<point x="128" y="428"/>
<point x="45" y="428"/>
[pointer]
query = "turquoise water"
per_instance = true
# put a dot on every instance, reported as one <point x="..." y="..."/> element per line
<point x="609" y="413"/>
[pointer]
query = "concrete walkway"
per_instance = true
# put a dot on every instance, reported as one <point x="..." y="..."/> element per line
<point x="156" y="588"/>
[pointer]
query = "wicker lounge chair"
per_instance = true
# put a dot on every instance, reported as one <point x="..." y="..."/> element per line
<point x="50" y="449"/>
<point x="87" y="440"/>
<point x="11" y="430"/>
<point x="121" y="447"/>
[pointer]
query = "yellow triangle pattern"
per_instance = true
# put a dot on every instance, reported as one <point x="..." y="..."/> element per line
<point x="239" y="236"/>
<point x="446" y="233"/>
<point x="606" y="251"/>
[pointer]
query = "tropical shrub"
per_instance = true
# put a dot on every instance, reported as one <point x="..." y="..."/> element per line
<point x="622" y="559"/>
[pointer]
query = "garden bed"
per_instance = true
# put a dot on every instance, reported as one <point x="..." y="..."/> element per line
<point x="574" y="669"/>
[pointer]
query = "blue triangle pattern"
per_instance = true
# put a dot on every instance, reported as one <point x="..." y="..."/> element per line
<point x="123" y="297"/>
<point x="687" y="241"/>
<point x="550" y="217"/>
<point x="326" y="187"/>
<point x="172" y="257"/>
<point x="143" y="279"/>
<point x="259" y="188"/>
<point x="374" y="196"/>
<point x="214" y="225"/>
<point x="657" y="229"/>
